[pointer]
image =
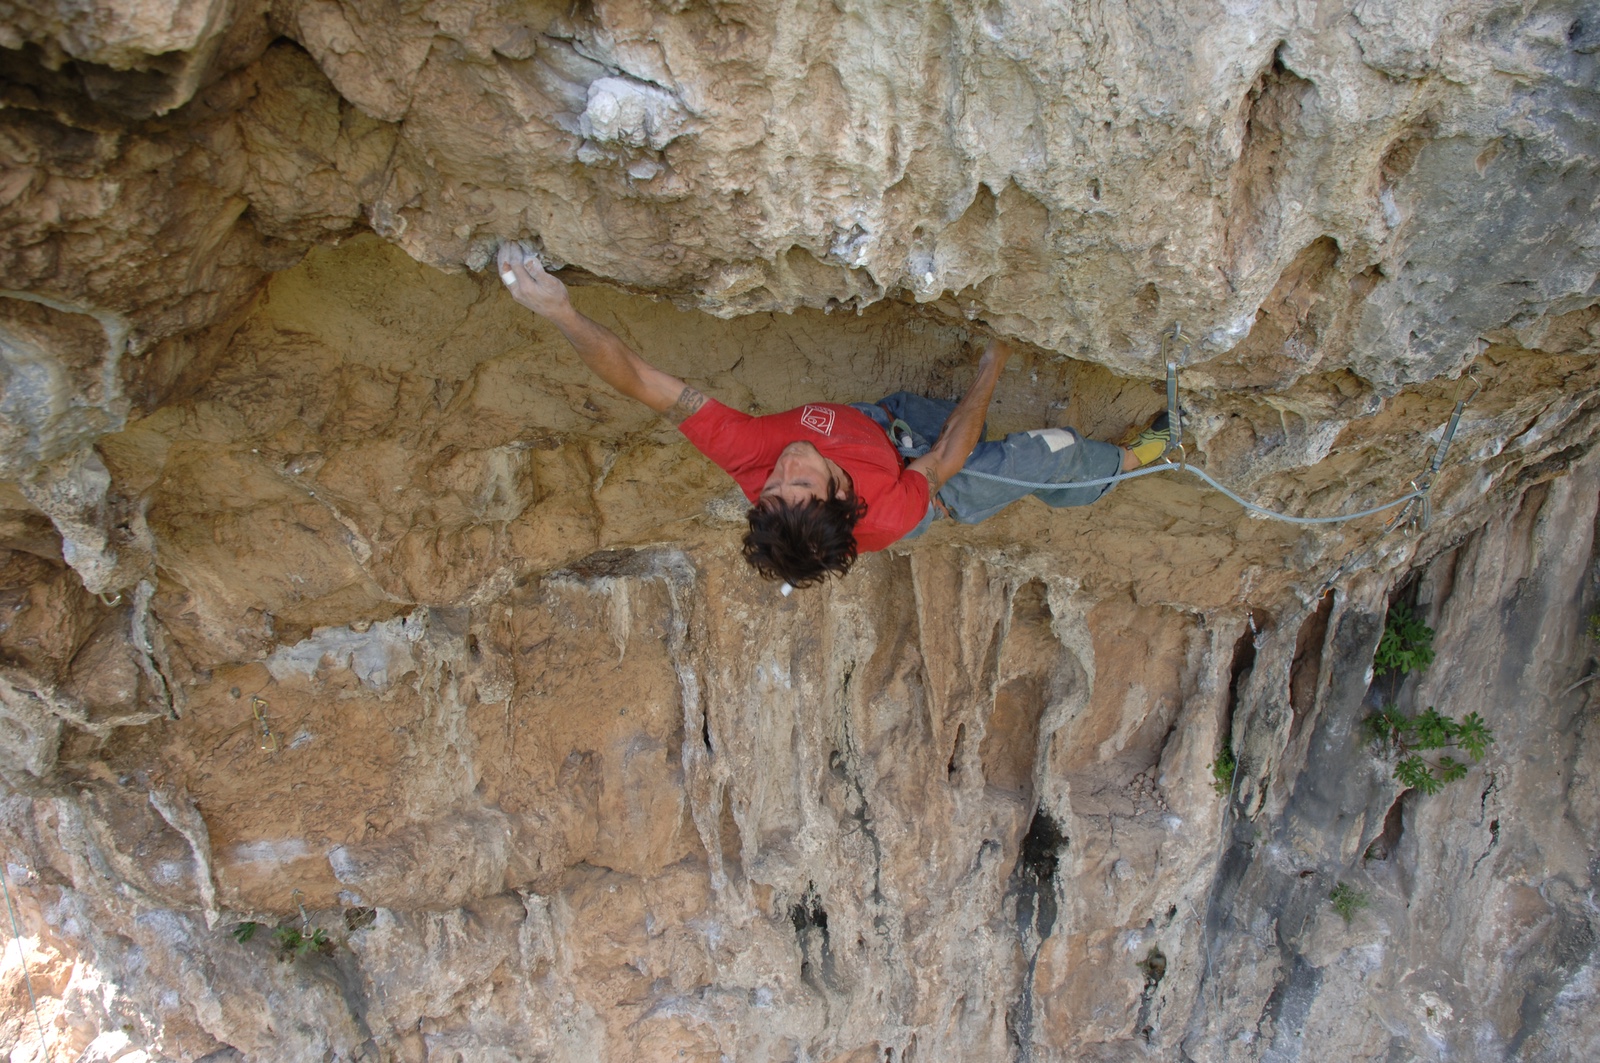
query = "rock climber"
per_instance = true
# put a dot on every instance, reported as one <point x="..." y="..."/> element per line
<point x="829" y="481"/>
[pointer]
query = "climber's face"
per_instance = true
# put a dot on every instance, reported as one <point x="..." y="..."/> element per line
<point x="801" y="473"/>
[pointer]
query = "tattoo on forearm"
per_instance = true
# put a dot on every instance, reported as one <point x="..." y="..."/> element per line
<point x="933" y="480"/>
<point x="689" y="403"/>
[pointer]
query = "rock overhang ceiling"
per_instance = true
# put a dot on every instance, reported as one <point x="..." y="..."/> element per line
<point x="1306" y="199"/>
<point x="1052" y="171"/>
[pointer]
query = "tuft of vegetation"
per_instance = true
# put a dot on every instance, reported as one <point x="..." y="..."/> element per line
<point x="1594" y="627"/>
<point x="359" y="918"/>
<point x="1347" y="900"/>
<point x="1406" y="644"/>
<point x="293" y="942"/>
<point x="1222" y="772"/>
<point x="1153" y="966"/>
<point x="1409" y="737"/>
<point x="296" y="942"/>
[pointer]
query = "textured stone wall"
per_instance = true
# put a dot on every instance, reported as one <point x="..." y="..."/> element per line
<point x="335" y="594"/>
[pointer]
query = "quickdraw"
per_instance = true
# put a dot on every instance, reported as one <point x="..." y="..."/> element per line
<point x="1174" y="411"/>
<point x="269" y="741"/>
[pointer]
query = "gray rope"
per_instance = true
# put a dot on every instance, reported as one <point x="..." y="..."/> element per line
<point x="23" y="956"/>
<point x="1175" y="426"/>
<point x="1149" y="469"/>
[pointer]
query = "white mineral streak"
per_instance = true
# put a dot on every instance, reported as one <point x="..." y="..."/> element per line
<point x="630" y="112"/>
<point x="379" y="656"/>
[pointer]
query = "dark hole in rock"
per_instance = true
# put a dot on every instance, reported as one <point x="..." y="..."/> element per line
<point x="359" y="918"/>
<point x="1388" y="840"/>
<point x="1034" y="880"/>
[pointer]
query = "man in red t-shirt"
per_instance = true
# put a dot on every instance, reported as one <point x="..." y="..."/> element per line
<point x="827" y="480"/>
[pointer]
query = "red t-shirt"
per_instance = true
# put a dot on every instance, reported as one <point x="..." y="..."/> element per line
<point x="747" y="448"/>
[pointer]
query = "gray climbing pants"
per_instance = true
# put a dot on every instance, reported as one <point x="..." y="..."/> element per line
<point x="1045" y="455"/>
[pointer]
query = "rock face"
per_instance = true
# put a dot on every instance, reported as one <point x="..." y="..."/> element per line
<point x="338" y="600"/>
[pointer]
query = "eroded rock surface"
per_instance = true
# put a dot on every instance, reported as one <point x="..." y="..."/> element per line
<point x="336" y="596"/>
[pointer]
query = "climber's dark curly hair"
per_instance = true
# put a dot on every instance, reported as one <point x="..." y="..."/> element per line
<point x="803" y="544"/>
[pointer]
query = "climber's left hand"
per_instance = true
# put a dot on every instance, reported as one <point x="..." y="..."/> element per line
<point x="530" y="285"/>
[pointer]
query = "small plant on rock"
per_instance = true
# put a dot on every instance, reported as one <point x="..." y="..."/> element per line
<point x="1409" y="737"/>
<point x="243" y="932"/>
<point x="1347" y="900"/>
<point x="1153" y="967"/>
<point x="1222" y="772"/>
<point x="296" y="942"/>
<point x="359" y="918"/>
<point x="1406" y="644"/>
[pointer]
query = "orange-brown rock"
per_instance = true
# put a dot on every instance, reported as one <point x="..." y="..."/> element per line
<point x="338" y="600"/>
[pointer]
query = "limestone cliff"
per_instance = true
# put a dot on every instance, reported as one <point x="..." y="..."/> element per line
<point x="336" y="596"/>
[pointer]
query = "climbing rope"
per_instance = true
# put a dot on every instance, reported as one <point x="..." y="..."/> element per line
<point x="1416" y="498"/>
<point x="16" y="935"/>
<point x="1149" y="470"/>
<point x="1420" y="501"/>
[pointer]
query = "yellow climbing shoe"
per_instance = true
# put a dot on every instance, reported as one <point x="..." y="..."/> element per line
<point x="1151" y="443"/>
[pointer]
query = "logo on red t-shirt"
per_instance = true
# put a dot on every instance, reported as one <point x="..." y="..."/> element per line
<point x="818" y="418"/>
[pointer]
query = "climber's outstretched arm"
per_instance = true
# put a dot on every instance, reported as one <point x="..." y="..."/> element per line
<point x="965" y="424"/>
<point x="599" y="347"/>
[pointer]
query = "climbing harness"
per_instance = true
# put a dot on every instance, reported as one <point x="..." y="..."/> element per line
<point x="16" y="935"/>
<point x="1416" y="498"/>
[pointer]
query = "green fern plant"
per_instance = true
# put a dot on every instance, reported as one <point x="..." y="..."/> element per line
<point x="295" y="942"/>
<point x="1410" y="737"/>
<point x="1406" y="644"/>
<point x="1347" y="900"/>
<point x="1222" y="772"/>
